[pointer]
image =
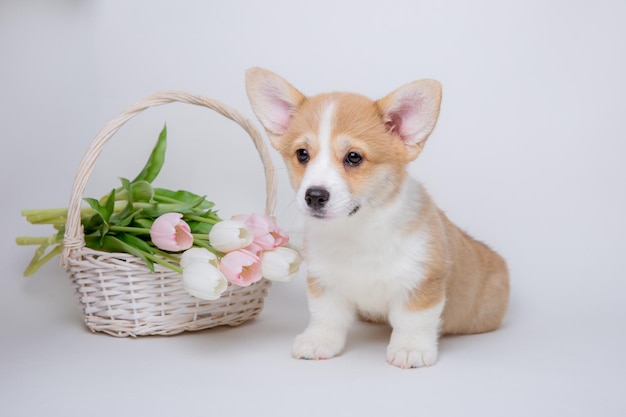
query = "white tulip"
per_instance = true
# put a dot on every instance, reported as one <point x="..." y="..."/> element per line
<point x="197" y="255"/>
<point x="280" y="264"/>
<point x="203" y="280"/>
<point x="230" y="235"/>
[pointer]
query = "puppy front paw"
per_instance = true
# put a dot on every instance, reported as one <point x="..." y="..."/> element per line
<point x="410" y="357"/>
<point x="317" y="345"/>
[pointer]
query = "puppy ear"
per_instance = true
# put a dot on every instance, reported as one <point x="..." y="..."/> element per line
<point x="274" y="101"/>
<point x="411" y="112"/>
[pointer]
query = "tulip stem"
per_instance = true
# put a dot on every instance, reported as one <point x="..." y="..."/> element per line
<point x="40" y="259"/>
<point x="165" y="199"/>
<point x="212" y="220"/>
<point x="206" y="245"/>
<point x="163" y="262"/>
<point x="36" y="240"/>
<point x="126" y="229"/>
<point x="166" y="255"/>
<point x="55" y="215"/>
<point x="199" y="236"/>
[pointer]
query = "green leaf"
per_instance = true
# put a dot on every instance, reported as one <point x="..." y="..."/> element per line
<point x="124" y="219"/>
<point x="181" y="196"/>
<point x="136" y="242"/>
<point x="99" y="221"/>
<point x="155" y="210"/>
<point x="93" y="242"/>
<point x="200" y="227"/>
<point x="155" y="162"/>
<point x="212" y="215"/>
<point x="127" y="188"/>
<point x="99" y="209"/>
<point x="145" y="223"/>
<point x="109" y="205"/>
<point x="113" y="244"/>
<point x="92" y="223"/>
<point x="142" y="191"/>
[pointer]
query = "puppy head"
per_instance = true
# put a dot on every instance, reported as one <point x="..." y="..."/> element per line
<point x="344" y="151"/>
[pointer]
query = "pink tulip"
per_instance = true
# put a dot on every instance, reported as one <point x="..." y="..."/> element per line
<point x="266" y="233"/>
<point x="169" y="232"/>
<point x="241" y="267"/>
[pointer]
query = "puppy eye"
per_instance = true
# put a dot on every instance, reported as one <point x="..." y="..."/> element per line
<point x="303" y="156"/>
<point x="353" y="159"/>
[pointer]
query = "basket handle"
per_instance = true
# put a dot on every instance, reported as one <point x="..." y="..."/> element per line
<point x="74" y="238"/>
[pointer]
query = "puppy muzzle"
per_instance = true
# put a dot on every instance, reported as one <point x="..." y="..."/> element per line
<point x="317" y="200"/>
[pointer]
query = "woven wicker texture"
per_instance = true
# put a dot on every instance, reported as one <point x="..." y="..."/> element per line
<point x="118" y="293"/>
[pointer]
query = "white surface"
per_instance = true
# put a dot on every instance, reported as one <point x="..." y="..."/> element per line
<point x="527" y="156"/>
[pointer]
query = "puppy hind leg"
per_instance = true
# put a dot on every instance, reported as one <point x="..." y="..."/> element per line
<point x="492" y="305"/>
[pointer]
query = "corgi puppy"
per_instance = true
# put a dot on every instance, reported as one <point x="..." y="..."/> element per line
<point x="376" y="245"/>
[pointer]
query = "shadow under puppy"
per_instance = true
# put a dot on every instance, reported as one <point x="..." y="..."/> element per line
<point x="375" y="243"/>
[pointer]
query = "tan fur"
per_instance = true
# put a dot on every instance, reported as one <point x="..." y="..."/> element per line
<point x="357" y="127"/>
<point x="457" y="273"/>
<point x="354" y="132"/>
<point x="314" y="287"/>
<point x="432" y="95"/>
<point x="472" y="277"/>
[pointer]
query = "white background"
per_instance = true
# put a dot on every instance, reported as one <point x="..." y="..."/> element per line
<point x="528" y="156"/>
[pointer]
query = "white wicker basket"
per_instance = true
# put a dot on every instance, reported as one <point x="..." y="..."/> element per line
<point x="118" y="293"/>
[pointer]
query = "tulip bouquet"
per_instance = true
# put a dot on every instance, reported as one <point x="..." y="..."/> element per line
<point x="176" y="229"/>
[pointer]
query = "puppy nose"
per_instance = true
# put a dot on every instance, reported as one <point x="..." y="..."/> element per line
<point x="316" y="198"/>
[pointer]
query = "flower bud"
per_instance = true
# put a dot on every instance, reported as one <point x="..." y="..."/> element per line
<point x="169" y="232"/>
<point x="267" y="234"/>
<point x="193" y="255"/>
<point x="229" y="235"/>
<point x="241" y="267"/>
<point x="280" y="264"/>
<point x="203" y="280"/>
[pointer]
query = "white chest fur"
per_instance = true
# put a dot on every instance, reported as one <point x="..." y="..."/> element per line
<point x="373" y="258"/>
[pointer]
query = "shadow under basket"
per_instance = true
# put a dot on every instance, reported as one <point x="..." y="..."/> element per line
<point x="118" y="293"/>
